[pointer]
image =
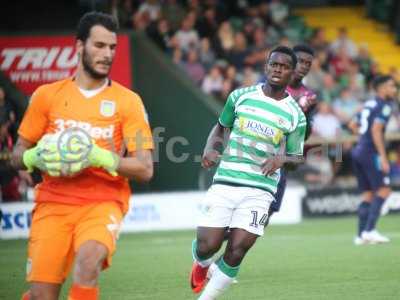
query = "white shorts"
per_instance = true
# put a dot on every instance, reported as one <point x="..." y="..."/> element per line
<point x="235" y="207"/>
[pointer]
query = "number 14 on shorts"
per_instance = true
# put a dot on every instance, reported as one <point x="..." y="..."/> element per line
<point x="255" y="221"/>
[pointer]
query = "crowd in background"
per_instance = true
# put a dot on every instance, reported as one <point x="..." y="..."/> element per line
<point x="13" y="184"/>
<point x="222" y="45"/>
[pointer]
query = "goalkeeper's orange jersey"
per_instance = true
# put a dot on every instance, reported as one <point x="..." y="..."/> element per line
<point x="115" y="114"/>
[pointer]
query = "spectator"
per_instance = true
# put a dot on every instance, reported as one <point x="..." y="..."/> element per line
<point x="364" y="60"/>
<point x="152" y="8"/>
<point x="231" y="74"/>
<point x="193" y="67"/>
<point x="123" y="12"/>
<point x="141" y="21"/>
<point x="12" y="183"/>
<point x="213" y="81"/>
<point x="237" y="56"/>
<point x="326" y="124"/>
<point x="160" y="33"/>
<point x="264" y="14"/>
<point x="248" y="30"/>
<point x="186" y="36"/>
<point x="194" y="5"/>
<point x="225" y="39"/>
<point x="6" y="107"/>
<point x="250" y="77"/>
<point x="227" y="87"/>
<point x="329" y="90"/>
<point x="315" y="78"/>
<point x="340" y="62"/>
<point x="207" y="25"/>
<point x="318" y="41"/>
<point x="174" y="13"/>
<point x="207" y="55"/>
<point x="256" y="57"/>
<point x="279" y="13"/>
<point x="345" y="43"/>
<point x="177" y="57"/>
<point x="346" y="106"/>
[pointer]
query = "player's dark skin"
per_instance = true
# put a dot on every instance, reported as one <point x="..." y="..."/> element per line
<point x="304" y="62"/>
<point x="279" y="70"/>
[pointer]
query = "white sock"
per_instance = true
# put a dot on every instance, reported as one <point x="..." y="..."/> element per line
<point x="218" y="283"/>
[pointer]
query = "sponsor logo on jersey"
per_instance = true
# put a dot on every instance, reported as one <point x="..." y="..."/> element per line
<point x="95" y="132"/>
<point x="260" y="130"/>
<point x="107" y="108"/>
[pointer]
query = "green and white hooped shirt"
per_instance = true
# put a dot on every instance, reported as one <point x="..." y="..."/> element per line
<point x="260" y="128"/>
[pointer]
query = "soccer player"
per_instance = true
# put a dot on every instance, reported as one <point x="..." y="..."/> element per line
<point x="306" y="99"/>
<point x="261" y="119"/>
<point x="77" y="219"/>
<point x="370" y="162"/>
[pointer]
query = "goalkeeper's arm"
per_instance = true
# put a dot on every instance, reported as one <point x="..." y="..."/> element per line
<point x="138" y="166"/>
<point x="18" y="153"/>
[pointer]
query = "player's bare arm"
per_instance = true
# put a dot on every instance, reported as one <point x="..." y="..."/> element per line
<point x="276" y="162"/>
<point x="138" y="166"/>
<point x="216" y="139"/>
<point x="20" y="147"/>
<point x="377" y="132"/>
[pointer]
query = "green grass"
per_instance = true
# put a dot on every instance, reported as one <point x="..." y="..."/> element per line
<point x="313" y="260"/>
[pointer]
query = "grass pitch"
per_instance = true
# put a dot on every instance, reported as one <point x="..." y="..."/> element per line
<point x="313" y="260"/>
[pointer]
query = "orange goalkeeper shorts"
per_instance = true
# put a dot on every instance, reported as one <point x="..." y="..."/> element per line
<point x="58" y="230"/>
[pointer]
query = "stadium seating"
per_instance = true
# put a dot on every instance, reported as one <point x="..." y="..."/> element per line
<point x="381" y="42"/>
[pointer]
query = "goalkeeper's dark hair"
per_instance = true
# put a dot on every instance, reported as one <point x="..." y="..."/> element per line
<point x="379" y="80"/>
<point x="303" y="48"/>
<point x="94" y="18"/>
<point x="287" y="51"/>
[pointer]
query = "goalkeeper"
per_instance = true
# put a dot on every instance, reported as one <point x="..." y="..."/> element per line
<point x="85" y="191"/>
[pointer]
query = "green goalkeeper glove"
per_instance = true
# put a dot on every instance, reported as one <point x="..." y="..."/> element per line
<point x="102" y="158"/>
<point x="51" y="157"/>
<point x="43" y="156"/>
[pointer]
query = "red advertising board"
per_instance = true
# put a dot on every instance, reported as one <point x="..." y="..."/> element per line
<point x="30" y="61"/>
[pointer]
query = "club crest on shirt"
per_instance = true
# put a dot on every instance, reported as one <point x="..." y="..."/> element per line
<point x="107" y="108"/>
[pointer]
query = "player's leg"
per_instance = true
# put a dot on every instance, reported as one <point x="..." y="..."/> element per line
<point x="360" y="171"/>
<point x="42" y="290"/>
<point x="215" y="217"/>
<point x="95" y="241"/>
<point x="247" y="225"/>
<point x="207" y="243"/>
<point x="49" y="251"/>
<point x="240" y="241"/>
<point x="370" y="232"/>
<point x="380" y="185"/>
<point x="363" y="210"/>
<point x="89" y="261"/>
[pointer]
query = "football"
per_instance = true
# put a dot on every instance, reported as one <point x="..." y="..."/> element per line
<point x="73" y="145"/>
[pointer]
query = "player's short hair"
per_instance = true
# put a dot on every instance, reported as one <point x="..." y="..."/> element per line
<point x="303" y="48"/>
<point x="94" y="18"/>
<point x="287" y="51"/>
<point x="379" y="80"/>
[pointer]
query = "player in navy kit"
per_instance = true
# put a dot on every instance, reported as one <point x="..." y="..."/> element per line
<point x="306" y="99"/>
<point x="370" y="161"/>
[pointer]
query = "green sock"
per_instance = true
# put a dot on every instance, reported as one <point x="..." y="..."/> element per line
<point x="227" y="269"/>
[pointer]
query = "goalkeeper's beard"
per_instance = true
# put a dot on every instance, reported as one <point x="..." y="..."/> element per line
<point x="87" y="64"/>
